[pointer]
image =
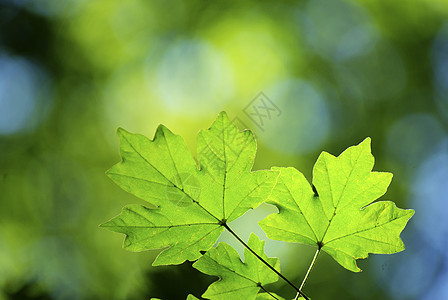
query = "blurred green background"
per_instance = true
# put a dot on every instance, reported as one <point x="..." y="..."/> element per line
<point x="331" y="74"/>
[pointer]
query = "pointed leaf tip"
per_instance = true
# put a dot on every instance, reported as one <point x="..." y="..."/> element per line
<point x="162" y="127"/>
<point x="224" y="117"/>
<point x="121" y="131"/>
<point x="223" y="114"/>
<point x="367" y="142"/>
<point x="161" y="131"/>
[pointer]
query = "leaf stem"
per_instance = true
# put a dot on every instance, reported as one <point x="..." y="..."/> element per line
<point x="265" y="262"/>
<point x="308" y="273"/>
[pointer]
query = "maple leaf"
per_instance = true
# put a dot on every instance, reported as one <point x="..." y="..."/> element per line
<point x="238" y="280"/>
<point x="338" y="216"/>
<point x="193" y="204"/>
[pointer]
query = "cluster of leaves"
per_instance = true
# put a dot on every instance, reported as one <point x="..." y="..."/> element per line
<point x="197" y="199"/>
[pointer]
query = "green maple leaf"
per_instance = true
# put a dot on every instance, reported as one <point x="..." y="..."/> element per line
<point x="339" y="217"/>
<point x="238" y="280"/>
<point x="193" y="204"/>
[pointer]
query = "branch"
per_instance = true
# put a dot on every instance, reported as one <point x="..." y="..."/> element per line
<point x="308" y="273"/>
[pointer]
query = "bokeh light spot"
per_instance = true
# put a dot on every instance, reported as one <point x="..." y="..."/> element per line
<point x="430" y="186"/>
<point x="338" y="30"/>
<point x="304" y="123"/>
<point x="24" y="97"/>
<point x="193" y="78"/>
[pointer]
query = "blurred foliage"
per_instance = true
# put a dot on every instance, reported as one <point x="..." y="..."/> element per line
<point x="337" y="71"/>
